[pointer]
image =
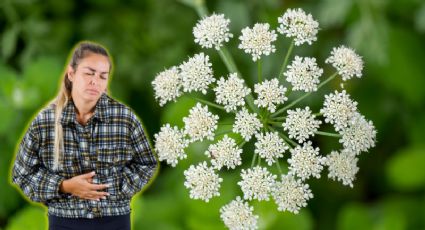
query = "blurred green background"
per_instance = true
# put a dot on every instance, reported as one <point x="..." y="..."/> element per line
<point x="147" y="36"/>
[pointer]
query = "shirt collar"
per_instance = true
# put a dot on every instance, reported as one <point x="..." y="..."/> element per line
<point x="100" y="111"/>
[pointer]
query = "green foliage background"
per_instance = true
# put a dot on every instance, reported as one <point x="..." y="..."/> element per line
<point x="147" y="36"/>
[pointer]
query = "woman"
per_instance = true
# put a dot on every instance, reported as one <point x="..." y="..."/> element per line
<point x="85" y="155"/>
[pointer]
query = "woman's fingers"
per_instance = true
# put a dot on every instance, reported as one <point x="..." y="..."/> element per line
<point x="98" y="186"/>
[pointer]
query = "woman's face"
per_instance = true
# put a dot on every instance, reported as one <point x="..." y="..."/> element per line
<point x="90" y="78"/>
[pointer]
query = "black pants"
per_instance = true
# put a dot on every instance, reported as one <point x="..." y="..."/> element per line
<point x="103" y="223"/>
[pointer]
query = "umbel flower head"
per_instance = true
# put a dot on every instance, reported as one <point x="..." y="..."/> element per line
<point x="303" y="74"/>
<point x="342" y="166"/>
<point x="338" y="109"/>
<point x="305" y="161"/>
<point x="270" y="146"/>
<point x="212" y="31"/>
<point x="231" y="92"/>
<point x="258" y="40"/>
<point x="346" y="61"/>
<point x="225" y="153"/>
<point x="256" y="183"/>
<point x="238" y="215"/>
<point x="298" y="25"/>
<point x="197" y="73"/>
<point x="301" y="124"/>
<point x="246" y="124"/>
<point x="170" y="143"/>
<point x="167" y="85"/>
<point x="359" y="136"/>
<point x="200" y="123"/>
<point x="291" y="194"/>
<point x="265" y="109"/>
<point x="270" y="94"/>
<point x="202" y="181"/>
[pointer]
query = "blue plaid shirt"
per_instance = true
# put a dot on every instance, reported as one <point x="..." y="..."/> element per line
<point x="113" y="144"/>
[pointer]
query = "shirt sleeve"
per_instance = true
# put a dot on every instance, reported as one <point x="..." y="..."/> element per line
<point x="144" y="164"/>
<point x="30" y="175"/>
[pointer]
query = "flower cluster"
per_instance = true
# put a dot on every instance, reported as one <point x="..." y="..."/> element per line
<point x="231" y="92"/>
<point x="258" y="40"/>
<point x="262" y="113"/>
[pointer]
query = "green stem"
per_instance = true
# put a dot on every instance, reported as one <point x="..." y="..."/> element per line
<point x="285" y="62"/>
<point x="259" y="71"/>
<point x="253" y="159"/>
<point x="279" y="118"/>
<point x="278" y="167"/>
<point x="208" y="103"/>
<point x="222" y="132"/>
<point x="303" y="96"/>
<point x="227" y="60"/>
<point x="200" y="8"/>
<point x="285" y="138"/>
<point x="225" y="123"/>
<point x="242" y="144"/>
<point x="275" y="123"/>
<point x="327" y="134"/>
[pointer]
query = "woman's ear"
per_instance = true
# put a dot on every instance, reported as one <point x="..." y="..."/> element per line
<point x="70" y="73"/>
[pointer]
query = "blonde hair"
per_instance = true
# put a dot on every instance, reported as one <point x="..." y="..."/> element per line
<point x="80" y="51"/>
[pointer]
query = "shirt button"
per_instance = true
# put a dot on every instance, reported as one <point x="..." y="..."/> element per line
<point x="86" y="163"/>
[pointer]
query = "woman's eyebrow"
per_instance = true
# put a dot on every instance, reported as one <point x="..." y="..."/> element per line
<point x="91" y="69"/>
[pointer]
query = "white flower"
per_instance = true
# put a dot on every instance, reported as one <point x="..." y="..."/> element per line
<point x="256" y="183"/>
<point x="346" y="61"/>
<point x="200" y="123"/>
<point x="225" y="153"/>
<point x="301" y="124"/>
<point x="246" y="124"/>
<point x="212" y="31"/>
<point x="238" y="215"/>
<point x="359" y="136"/>
<point x="270" y="146"/>
<point x="170" y="144"/>
<point x="270" y="94"/>
<point x="342" y="167"/>
<point x="303" y="74"/>
<point x="202" y="182"/>
<point x="298" y="25"/>
<point x="258" y="40"/>
<point x="305" y="161"/>
<point x="231" y="92"/>
<point x="196" y="73"/>
<point x="338" y="109"/>
<point x="291" y="194"/>
<point x="167" y="85"/>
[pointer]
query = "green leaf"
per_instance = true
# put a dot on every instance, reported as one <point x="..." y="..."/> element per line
<point x="354" y="217"/>
<point x="405" y="170"/>
<point x="9" y="40"/>
<point x="29" y="218"/>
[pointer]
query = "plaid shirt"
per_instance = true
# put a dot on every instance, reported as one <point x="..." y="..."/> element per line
<point x="113" y="144"/>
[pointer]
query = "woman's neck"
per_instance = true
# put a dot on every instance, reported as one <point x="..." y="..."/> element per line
<point x="84" y="110"/>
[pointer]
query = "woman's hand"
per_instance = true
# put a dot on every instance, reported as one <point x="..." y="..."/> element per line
<point x="82" y="187"/>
